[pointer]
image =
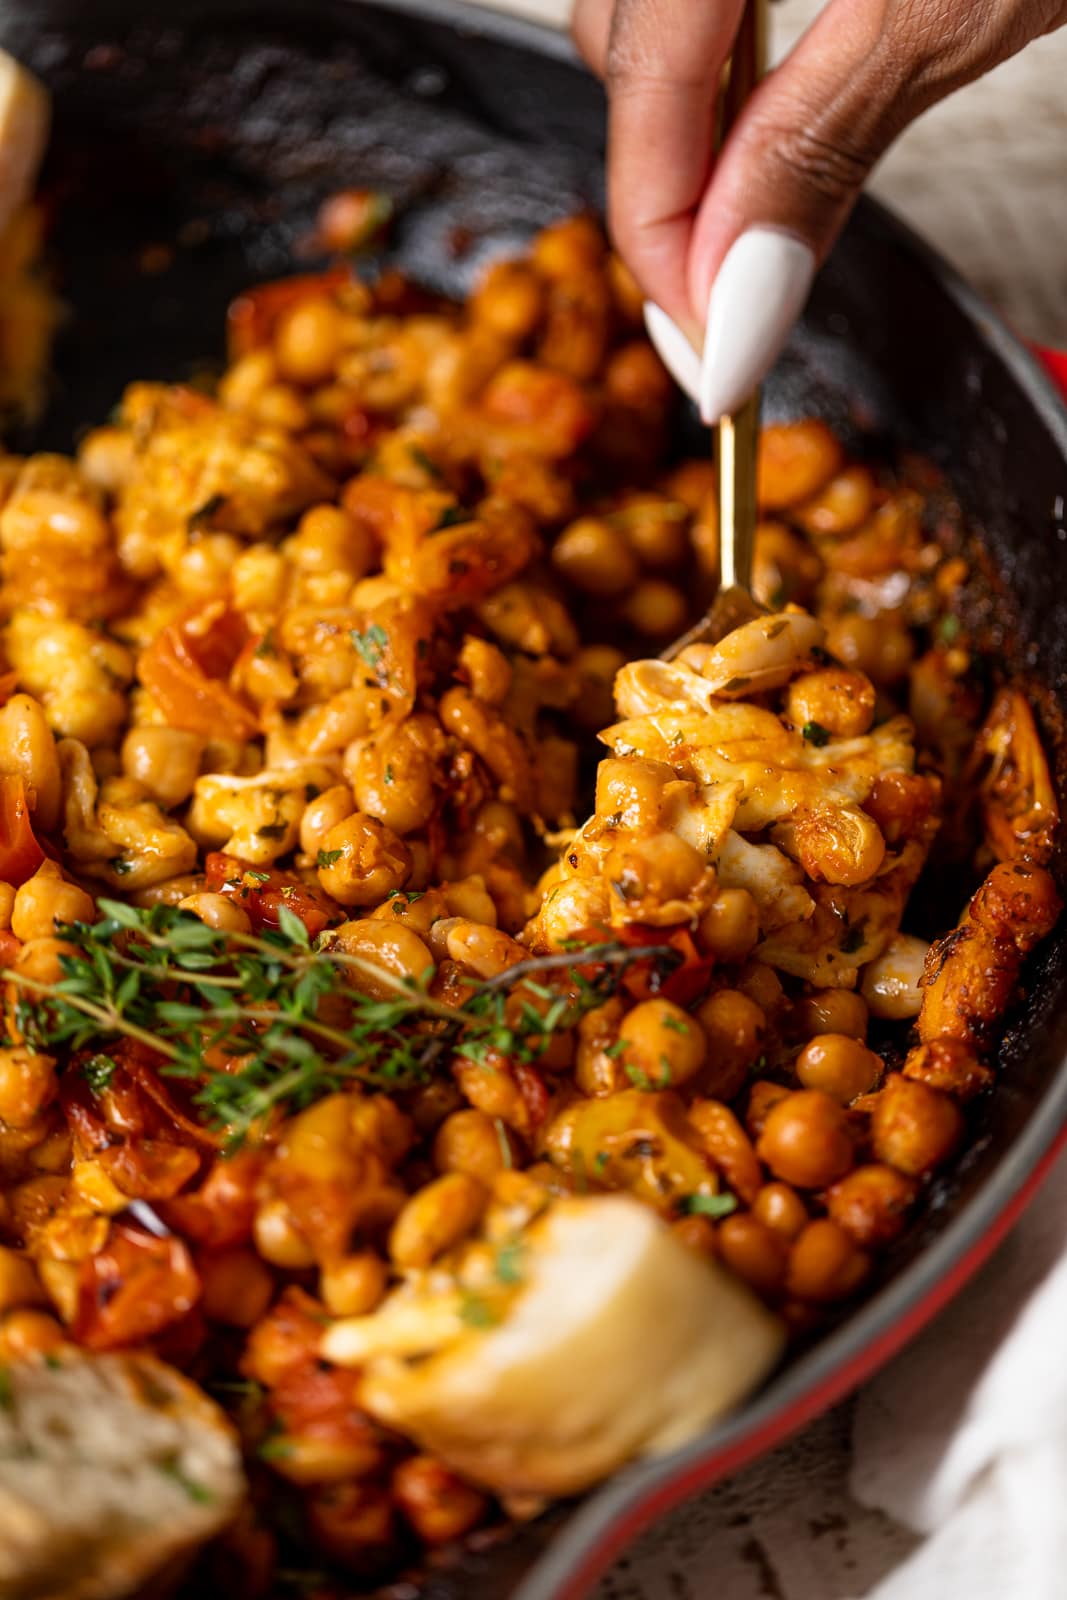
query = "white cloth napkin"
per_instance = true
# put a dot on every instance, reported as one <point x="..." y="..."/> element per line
<point x="964" y="1437"/>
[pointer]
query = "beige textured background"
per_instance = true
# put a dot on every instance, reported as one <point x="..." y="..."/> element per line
<point x="984" y="175"/>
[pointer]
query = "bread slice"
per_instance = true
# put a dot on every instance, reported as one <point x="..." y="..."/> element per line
<point x="112" y="1468"/>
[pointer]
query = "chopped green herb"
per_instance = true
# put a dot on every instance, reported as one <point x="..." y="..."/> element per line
<point x="452" y="517"/>
<point x="371" y="644"/>
<point x="508" y="1261"/>
<point x="476" y="1311"/>
<point x="98" y="1072"/>
<point x="504" y="1143"/>
<point x="815" y="734"/>
<point x="421" y="459"/>
<point x="276" y="1448"/>
<point x="266" y="646"/>
<point x="388" y="774"/>
<point x="257" y="877"/>
<point x="326" y="858"/>
<point x="676" y="1024"/>
<point x="709" y="1205"/>
<point x="639" y="1079"/>
<point x="600" y="1161"/>
<point x="948" y="629"/>
<point x="120" y="866"/>
<point x="273" y="830"/>
<point x="171" y="1468"/>
<point x="854" y="937"/>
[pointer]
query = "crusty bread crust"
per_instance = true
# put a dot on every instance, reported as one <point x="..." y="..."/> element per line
<point x="113" y="1468"/>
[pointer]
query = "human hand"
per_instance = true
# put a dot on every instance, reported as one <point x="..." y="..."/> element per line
<point x="731" y="245"/>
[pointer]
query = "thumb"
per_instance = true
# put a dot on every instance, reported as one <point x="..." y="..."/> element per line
<point x="797" y="158"/>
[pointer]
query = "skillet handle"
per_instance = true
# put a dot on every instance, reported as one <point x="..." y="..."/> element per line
<point x="1055" y="363"/>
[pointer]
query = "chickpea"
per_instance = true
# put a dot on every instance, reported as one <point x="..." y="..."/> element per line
<point x="661" y="1044"/>
<point x="880" y="648"/>
<point x="436" y="1218"/>
<point x="781" y="1209"/>
<point x="636" y="378"/>
<point x="752" y="1250"/>
<point x="29" y="1333"/>
<point x="871" y="1204"/>
<point x="437" y="1503"/>
<point x="805" y="1140"/>
<point x="390" y="946"/>
<point x="107" y="458"/>
<point x="219" y="911"/>
<point x="307" y="341"/>
<point x="482" y="950"/>
<point x="595" y="557"/>
<point x="278" y="1239"/>
<point x="371" y="863"/>
<point x="597" y="1068"/>
<point x="729" y="927"/>
<point x="795" y="460"/>
<point x="45" y="900"/>
<point x="470" y="1142"/>
<point x="19" y="1283"/>
<point x="833" y="698"/>
<point x="734" y="1027"/>
<point x="353" y="1286"/>
<point x="166" y="761"/>
<point x="629" y="791"/>
<point x="568" y="248"/>
<point x="654" y="869"/>
<point x="726" y="1144"/>
<point x="491" y="1088"/>
<point x="470" y="899"/>
<point x="508" y="300"/>
<point x="27" y="1085"/>
<point x="316" y="1458"/>
<point x="329" y="539"/>
<point x="656" y="608"/>
<point x="280" y="406"/>
<point x="237" y="1287"/>
<point x="696" y="1233"/>
<point x="914" y="1128"/>
<point x="243" y="382"/>
<point x="838" y="1065"/>
<point x="825" y="1264"/>
<point x="761" y="1097"/>
<point x="29" y="752"/>
<point x="394" y="774"/>
<point x="841" y="505"/>
<point x="327" y="809"/>
<point x="830" y="1011"/>
<point x="596" y="666"/>
<point x="948" y="1065"/>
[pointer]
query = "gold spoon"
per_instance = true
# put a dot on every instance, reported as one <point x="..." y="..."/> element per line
<point x="736" y="436"/>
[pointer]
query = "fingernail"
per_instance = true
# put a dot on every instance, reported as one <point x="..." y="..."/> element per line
<point x="674" y="349"/>
<point x="757" y="296"/>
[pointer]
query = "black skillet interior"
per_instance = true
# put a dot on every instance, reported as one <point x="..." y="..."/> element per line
<point x="192" y="147"/>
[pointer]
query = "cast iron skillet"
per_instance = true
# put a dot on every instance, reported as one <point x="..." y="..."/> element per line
<point x="214" y="127"/>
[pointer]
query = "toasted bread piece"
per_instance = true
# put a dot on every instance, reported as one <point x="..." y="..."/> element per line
<point x="112" y="1469"/>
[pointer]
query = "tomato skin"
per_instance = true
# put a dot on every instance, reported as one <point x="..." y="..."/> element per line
<point x="251" y="318"/>
<point x="184" y="670"/>
<point x="535" y="1096"/>
<point x="20" y="852"/>
<point x="133" y="1288"/>
<point x="263" y="899"/>
<point x="9" y="948"/>
<point x="221" y="1212"/>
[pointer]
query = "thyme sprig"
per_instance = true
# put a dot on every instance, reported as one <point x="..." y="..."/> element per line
<point x="285" y="1016"/>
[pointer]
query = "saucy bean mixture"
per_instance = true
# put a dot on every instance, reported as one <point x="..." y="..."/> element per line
<point x="320" y="1006"/>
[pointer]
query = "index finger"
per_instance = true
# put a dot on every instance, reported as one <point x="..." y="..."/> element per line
<point x="664" y="61"/>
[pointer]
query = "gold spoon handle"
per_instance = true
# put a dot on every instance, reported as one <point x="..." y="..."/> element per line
<point x="737" y="436"/>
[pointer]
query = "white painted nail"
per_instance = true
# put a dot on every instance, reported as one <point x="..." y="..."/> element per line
<point x="757" y="296"/>
<point x="674" y="350"/>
